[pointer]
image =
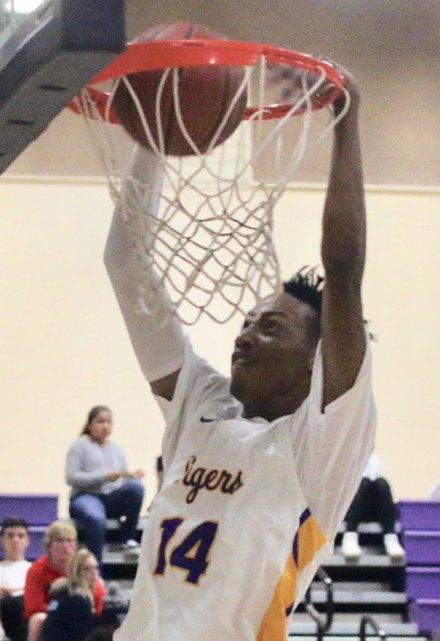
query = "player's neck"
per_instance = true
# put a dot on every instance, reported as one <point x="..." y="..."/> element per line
<point x="278" y="406"/>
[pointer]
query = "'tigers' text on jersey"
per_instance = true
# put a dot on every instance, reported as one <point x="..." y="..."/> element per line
<point x="202" y="478"/>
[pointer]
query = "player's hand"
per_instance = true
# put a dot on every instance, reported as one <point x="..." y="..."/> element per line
<point x="114" y="475"/>
<point x="350" y="84"/>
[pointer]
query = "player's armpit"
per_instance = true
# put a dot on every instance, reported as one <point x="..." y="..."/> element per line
<point x="165" y="387"/>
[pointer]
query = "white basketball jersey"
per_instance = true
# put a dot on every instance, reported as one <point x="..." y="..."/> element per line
<point x="247" y="511"/>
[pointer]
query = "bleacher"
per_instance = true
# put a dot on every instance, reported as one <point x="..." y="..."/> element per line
<point x="372" y="598"/>
<point x="420" y="521"/>
<point x="350" y="601"/>
<point x="367" y="596"/>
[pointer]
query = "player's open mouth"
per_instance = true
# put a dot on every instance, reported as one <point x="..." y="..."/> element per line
<point x="238" y="358"/>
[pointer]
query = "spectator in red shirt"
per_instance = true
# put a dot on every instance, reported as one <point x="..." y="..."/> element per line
<point x="60" y="541"/>
<point x="76" y="600"/>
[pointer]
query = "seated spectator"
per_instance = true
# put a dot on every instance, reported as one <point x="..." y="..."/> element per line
<point x="60" y="542"/>
<point x="75" y="601"/>
<point x="102" y="486"/>
<point x="373" y="502"/>
<point x="14" y="539"/>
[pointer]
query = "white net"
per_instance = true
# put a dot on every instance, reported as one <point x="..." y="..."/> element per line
<point x="206" y="229"/>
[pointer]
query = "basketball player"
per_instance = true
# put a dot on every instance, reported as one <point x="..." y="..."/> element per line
<point x="259" y="470"/>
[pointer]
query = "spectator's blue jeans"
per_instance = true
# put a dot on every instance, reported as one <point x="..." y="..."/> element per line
<point x="92" y="511"/>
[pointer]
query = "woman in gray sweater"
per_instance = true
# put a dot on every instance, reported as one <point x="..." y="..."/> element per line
<point x="102" y="486"/>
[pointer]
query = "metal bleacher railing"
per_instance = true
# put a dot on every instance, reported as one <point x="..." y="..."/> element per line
<point x="323" y="621"/>
<point x="368" y="620"/>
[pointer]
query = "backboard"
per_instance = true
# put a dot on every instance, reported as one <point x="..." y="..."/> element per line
<point x="49" y="49"/>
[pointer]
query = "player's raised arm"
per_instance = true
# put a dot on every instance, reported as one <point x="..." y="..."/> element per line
<point x="343" y="255"/>
<point x="158" y="347"/>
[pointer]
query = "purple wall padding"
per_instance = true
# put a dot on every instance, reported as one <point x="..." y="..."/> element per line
<point x="37" y="509"/>
<point x="420" y="515"/>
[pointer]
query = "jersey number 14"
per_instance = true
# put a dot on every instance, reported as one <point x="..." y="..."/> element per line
<point x="191" y="554"/>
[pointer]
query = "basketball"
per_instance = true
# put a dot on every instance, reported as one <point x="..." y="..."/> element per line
<point x="204" y="96"/>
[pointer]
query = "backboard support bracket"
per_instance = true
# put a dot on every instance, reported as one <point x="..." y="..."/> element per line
<point x="52" y="55"/>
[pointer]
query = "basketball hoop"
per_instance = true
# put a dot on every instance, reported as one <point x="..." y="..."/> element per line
<point x="213" y="217"/>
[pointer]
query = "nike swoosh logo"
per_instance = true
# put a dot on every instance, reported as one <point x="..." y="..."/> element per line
<point x="206" y="420"/>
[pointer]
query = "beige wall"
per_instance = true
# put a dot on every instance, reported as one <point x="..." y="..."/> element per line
<point x="64" y="347"/>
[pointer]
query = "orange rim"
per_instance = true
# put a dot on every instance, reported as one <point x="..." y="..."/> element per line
<point x="161" y="54"/>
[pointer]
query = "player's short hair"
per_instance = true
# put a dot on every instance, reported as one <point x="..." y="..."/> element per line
<point x="13" y="521"/>
<point x="307" y="286"/>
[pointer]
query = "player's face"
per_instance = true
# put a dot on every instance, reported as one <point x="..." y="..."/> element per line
<point x="100" y="427"/>
<point x="273" y="356"/>
<point x="14" y="540"/>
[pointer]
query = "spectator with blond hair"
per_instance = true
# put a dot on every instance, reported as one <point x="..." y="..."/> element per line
<point x="60" y="542"/>
<point x="76" y="600"/>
